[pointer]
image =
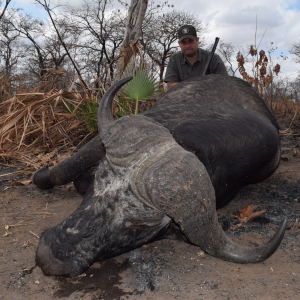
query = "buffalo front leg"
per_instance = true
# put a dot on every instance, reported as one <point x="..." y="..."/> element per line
<point x="71" y="168"/>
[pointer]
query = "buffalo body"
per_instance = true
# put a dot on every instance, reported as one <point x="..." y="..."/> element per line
<point x="162" y="173"/>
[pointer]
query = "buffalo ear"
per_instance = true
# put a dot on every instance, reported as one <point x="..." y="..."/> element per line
<point x="179" y="186"/>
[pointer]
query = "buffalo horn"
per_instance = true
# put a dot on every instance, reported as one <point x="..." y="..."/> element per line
<point x="104" y="115"/>
<point x="212" y="239"/>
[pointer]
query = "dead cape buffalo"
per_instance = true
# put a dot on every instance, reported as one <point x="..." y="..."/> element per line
<point x="148" y="186"/>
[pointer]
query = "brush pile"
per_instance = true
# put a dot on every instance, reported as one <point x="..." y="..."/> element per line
<point x="43" y="126"/>
<point x="37" y="130"/>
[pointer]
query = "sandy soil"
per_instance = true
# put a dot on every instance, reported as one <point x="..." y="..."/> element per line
<point x="165" y="269"/>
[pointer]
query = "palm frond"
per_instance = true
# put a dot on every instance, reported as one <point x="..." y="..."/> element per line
<point x="143" y="86"/>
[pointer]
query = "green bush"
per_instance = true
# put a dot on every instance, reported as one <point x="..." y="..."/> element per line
<point x="86" y="110"/>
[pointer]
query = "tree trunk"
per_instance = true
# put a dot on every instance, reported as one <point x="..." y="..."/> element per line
<point x="133" y="31"/>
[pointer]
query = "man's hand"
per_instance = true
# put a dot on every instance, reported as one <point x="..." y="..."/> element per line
<point x="171" y="84"/>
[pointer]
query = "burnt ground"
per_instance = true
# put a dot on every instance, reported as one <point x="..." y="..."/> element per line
<point x="164" y="269"/>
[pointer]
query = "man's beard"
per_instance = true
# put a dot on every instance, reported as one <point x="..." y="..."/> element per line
<point x="189" y="53"/>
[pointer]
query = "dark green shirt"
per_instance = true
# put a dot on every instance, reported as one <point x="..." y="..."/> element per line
<point x="180" y="69"/>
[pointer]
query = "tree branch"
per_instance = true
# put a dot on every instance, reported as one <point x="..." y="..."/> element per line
<point x="47" y="8"/>
<point x="4" y="9"/>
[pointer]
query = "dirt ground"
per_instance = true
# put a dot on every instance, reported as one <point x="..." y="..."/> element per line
<point x="165" y="269"/>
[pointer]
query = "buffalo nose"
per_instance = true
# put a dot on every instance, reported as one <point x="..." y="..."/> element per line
<point x="47" y="262"/>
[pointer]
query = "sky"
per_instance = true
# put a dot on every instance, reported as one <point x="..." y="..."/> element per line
<point x="234" y="21"/>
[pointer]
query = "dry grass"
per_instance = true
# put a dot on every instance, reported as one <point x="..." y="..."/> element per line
<point x="284" y="106"/>
<point x="287" y="113"/>
<point x="9" y="86"/>
<point x="36" y="130"/>
<point x="261" y="80"/>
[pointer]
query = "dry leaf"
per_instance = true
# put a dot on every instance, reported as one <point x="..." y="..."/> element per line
<point x="27" y="244"/>
<point x="246" y="214"/>
<point x="26" y="182"/>
<point x="25" y="220"/>
<point x="296" y="225"/>
<point x="15" y="225"/>
<point x="234" y="227"/>
<point x="34" y="234"/>
<point x="68" y="187"/>
<point x="294" y="152"/>
<point x="16" y="183"/>
<point x="201" y="254"/>
<point x="7" y="234"/>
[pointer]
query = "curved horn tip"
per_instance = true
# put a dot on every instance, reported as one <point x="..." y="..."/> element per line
<point x="128" y="78"/>
<point x="283" y="226"/>
<point x="280" y="232"/>
<point x="274" y="242"/>
<point x="244" y="255"/>
<point x="104" y="115"/>
<point x="272" y="245"/>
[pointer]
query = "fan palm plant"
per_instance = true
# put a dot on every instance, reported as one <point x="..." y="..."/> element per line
<point x="143" y="86"/>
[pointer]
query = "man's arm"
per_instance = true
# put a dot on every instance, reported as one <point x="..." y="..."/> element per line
<point x="171" y="84"/>
<point x="172" y="76"/>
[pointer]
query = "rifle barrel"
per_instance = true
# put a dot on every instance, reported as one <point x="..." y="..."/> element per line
<point x="211" y="55"/>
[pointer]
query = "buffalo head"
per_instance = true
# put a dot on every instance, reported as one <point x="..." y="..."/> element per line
<point x="145" y="183"/>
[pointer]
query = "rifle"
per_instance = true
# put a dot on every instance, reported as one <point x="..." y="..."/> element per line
<point x="211" y="56"/>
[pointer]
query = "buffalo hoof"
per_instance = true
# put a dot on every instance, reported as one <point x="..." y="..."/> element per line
<point x="41" y="179"/>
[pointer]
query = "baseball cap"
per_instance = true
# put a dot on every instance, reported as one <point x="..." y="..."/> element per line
<point x="187" y="32"/>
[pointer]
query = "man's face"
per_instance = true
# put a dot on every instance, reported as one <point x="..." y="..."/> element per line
<point x="189" y="46"/>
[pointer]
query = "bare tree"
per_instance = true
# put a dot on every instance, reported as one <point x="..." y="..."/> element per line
<point x="57" y="54"/>
<point x="228" y="53"/>
<point x="5" y="7"/>
<point x="296" y="51"/>
<point x="41" y="46"/>
<point x="102" y="30"/>
<point x="9" y="53"/>
<point x="46" y="6"/>
<point x="32" y="29"/>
